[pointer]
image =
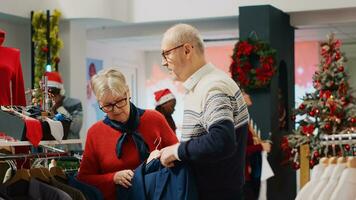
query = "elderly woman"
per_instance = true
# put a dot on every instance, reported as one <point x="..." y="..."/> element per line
<point x="123" y="140"/>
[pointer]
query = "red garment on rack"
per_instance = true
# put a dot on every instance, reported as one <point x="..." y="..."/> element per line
<point x="11" y="72"/>
<point x="33" y="131"/>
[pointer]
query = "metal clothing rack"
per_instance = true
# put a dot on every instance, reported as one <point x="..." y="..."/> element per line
<point x="338" y="139"/>
<point x="49" y="142"/>
<point x="327" y="141"/>
<point x="50" y="155"/>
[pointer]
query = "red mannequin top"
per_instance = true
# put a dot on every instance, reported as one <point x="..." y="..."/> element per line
<point x="11" y="80"/>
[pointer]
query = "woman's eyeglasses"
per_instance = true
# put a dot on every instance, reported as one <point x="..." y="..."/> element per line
<point x="118" y="104"/>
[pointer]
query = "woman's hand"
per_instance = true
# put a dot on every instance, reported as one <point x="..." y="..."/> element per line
<point x="124" y="178"/>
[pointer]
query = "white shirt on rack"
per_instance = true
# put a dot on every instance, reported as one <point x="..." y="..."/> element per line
<point x="323" y="182"/>
<point x="317" y="171"/>
<point x="333" y="181"/>
<point x="346" y="187"/>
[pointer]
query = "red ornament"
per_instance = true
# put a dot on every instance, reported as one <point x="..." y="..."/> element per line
<point x="327" y="126"/>
<point x="316" y="154"/>
<point x="312" y="113"/>
<point x="308" y="129"/>
<point x="295" y="165"/>
<point x="347" y="147"/>
<point x="302" y="106"/>
<point x="353" y="120"/>
<point x="341" y="68"/>
<point x="45" y="49"/>
<point x="311" y="163"/>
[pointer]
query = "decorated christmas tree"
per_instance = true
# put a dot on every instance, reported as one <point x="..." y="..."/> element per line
<point x="330" y="110"/>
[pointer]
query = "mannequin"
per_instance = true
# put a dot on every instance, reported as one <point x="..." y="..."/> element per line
<point x="12" y="91"/>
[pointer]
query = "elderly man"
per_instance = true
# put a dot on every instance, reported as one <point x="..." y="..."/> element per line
<point x="215" y="119"/>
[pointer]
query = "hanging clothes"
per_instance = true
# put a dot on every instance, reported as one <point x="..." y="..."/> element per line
<point x="323" y="182"/>
<point x="332" y="183"/>
<point x="12" y="90"/>
<point x="308" y="188"/>
<point x="153" y="181"/>
<point x="346" y="187"/>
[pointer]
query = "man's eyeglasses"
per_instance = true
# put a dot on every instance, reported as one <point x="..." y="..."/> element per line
<point x="118" y="104"/>
<point x="166" y="53"/>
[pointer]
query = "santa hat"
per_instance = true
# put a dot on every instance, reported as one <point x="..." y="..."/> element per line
<point x="55" y="81"/>
<point x="163" y="96"/>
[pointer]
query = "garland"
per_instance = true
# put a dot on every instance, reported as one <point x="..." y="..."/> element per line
<point x="253" y="63"/>
<point x="39" y="23"/>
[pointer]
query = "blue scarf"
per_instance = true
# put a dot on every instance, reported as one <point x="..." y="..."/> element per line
<point x="130" y="129"/>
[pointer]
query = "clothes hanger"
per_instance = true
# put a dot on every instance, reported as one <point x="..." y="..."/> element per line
<point x="57" y="171"/>
<point x="333" y="160"/>
<point x="351" y="162"/>
<point x="157" y="142"/>
<point x="39" y="174"/>
<point x="21" y="174"/>
<point x="155" y="153"/>
<point x="341" y="160"/>
<point x="45" y="170"/>
<point x="325" y="160"/>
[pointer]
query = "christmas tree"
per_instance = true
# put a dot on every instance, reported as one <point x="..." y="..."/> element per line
<point x="330" y="110"/>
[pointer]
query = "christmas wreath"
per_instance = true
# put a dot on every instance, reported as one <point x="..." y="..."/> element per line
<point x="253" y="63"/>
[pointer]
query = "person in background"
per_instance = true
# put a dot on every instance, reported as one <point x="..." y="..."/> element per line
<point x="70" y="107"/>
<point x="253" y="159"/>
<point x="165" y="103"/>
<point x="118" y="144"/>
<point x="215" y="120"/>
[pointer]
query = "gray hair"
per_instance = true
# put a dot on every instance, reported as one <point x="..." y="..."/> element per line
<point x="111" y="80"/>
<point x="184" y="33"/>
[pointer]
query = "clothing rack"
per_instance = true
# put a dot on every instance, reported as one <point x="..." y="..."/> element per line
<point x="326" y="140"/>
<point x="50" y="155"/>
<point x="49" y="142"/>
<point x="338" y="139"/>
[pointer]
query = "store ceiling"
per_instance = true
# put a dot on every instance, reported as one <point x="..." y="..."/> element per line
<point x="310" y="26"/>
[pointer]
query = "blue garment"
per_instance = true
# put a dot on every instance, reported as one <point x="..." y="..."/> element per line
<point x="130" y="129"/>
<point x="217" y="160"/>
<point x="155" y="182"/>
<point x="90" y="192"/>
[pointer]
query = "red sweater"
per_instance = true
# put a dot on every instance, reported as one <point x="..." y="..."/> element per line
<point x="11" y="72"/>
<point x="100" y="162"/>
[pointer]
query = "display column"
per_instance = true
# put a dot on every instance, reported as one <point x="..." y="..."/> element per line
<point x="272" y="26"/>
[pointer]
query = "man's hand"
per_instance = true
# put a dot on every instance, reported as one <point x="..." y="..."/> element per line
<point x="266" y="146"/>
<point x="153" y="155"/>
<point x="169" y="155"/>
<point x="124" y="178"/>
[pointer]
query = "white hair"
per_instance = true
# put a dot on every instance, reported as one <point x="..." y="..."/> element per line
<point x="184" y="33"/>
<point x="111" y="80"/>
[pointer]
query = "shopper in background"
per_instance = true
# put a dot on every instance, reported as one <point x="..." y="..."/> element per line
<point x="118" y="144"/>
<point x="70" y="107"/>
<point x="215" y="117"/>
<point x="165" y="103"/>
<point x="253" y="159"/>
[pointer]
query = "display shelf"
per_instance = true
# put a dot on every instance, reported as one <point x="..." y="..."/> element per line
<point x="50" y="142"/>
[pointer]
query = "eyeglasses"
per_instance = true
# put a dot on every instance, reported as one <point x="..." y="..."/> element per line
<point x="110" y="107"/>
<point x="166" y="53"/>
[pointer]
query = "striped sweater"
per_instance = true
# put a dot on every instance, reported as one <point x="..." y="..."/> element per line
<point x="214" y="134"/>
<point x="211" y="97"/>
